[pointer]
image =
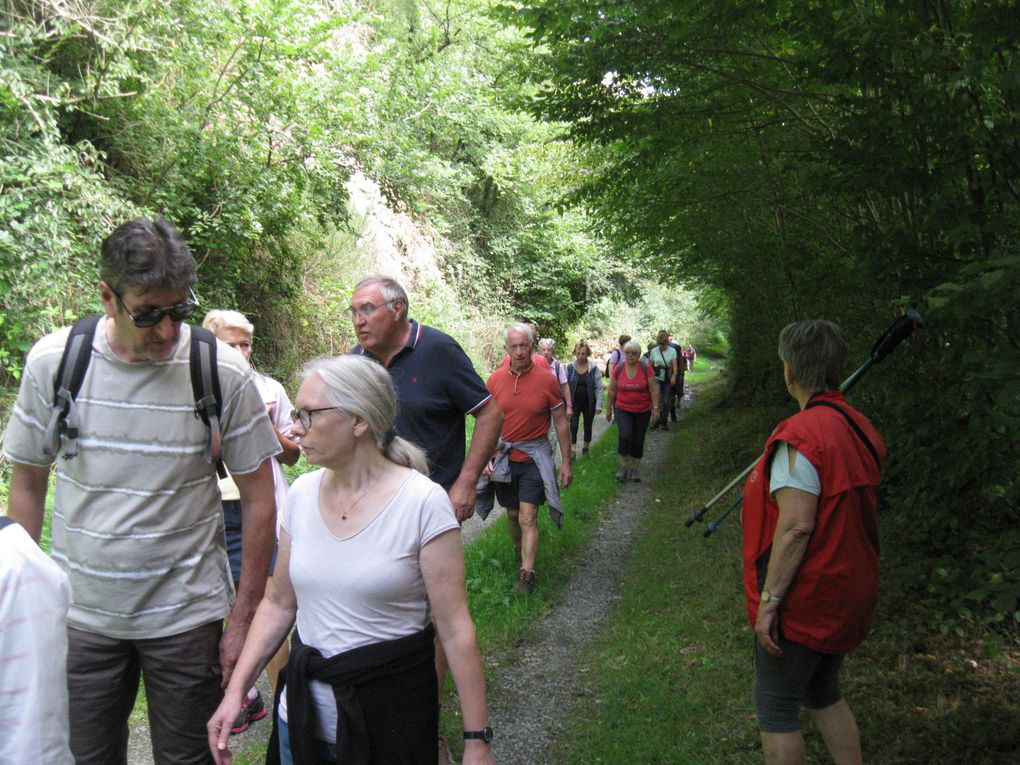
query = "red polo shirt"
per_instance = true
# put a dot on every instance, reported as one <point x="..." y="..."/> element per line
<point x="526" y="400"/>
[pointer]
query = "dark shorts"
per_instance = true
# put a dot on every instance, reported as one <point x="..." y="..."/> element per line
<point x="525" y="486"/>
<point x="800" y="677"/>
<point x="182" y="690"/>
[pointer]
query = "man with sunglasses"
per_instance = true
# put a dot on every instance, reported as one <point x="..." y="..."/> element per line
<point x="136" y="521"/>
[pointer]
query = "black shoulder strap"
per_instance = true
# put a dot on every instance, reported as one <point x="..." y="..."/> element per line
<point x="853" y="424"/>
<point x="5" y="522"/>
<point x="73" y="364"/>
<point x="205" y="385"/>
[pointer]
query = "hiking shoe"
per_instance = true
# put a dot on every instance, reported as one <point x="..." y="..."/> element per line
<point x="634" y="475"/>
<point x="621" y="474"/>
<point x="445" y="755"/>
<point x="665" y="425"/>
<point x="672" y="414"/>
<point x="253" y="710"/>
<point x="585" y="451"/>
<point x="525" y="581"/>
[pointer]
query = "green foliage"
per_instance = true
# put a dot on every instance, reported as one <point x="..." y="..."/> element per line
<point x="808" y="160"/>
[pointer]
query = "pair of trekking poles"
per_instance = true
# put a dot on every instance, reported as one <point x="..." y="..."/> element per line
<point x="899" y="331"/>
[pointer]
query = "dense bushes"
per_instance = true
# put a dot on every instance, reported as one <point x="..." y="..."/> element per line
<point x="846" y="162"/>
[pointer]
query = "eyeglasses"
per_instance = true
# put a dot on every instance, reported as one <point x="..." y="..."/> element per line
<point x="364" y="311"/>
<point x="304" y="416"/>
<point x="154" y="316"/>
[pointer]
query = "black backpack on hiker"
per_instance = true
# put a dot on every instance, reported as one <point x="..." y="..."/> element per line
<point x="205" y="385"/>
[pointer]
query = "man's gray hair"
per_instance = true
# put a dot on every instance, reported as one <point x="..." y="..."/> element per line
<point x="148" y="255"/>
<point x="520" y="328"/>
<point x="390" y="289"/>
<point x="816" y="351"/>
<point x="356" y="385"/>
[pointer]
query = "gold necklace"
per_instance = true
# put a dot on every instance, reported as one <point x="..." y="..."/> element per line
<point x="344" y="514"/>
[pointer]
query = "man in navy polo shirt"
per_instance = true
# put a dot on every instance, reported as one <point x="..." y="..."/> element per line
<point x="437" y="386"/>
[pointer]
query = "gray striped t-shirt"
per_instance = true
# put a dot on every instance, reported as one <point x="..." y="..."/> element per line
<point x="137" y="523"/>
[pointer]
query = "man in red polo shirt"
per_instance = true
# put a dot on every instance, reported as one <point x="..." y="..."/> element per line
<point x="525" y="473"/>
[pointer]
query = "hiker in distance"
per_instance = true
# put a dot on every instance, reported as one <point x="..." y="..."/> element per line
<point x="137" y="524"/>
<point x="633" y="401"/>
<point x="522" y="474"/>
<point x="811" y="550"/>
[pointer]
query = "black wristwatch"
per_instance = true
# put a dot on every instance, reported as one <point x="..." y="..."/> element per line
<point x="485" y="734"/>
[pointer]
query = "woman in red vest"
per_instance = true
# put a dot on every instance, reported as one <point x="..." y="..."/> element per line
<point x="811" y="550"/>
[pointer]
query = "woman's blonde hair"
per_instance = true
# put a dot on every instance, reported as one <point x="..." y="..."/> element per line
<point x="582" y="344"/>
<point x="359" y="386"/>
<point x="218" y="319"/>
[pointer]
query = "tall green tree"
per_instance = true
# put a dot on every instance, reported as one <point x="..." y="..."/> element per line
<point x="812" y="160"/>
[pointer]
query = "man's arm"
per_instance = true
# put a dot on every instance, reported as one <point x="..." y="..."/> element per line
<point x="26" y="502"/>
<point x="488" y="426"/>
<point x="258" y="535"/>
<point x="563" y="435"/>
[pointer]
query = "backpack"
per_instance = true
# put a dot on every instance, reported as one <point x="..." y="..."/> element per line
<point x="644" y="366"/>
<point x="613" y="354"/>
<point x="205" y="386"/>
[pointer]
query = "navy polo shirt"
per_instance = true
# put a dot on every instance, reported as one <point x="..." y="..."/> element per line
<point x="437" y="387"/>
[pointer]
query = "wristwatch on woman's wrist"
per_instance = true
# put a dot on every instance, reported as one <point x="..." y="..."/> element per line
<point x="485" y="734"/>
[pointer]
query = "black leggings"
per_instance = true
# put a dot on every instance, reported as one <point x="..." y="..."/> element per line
<point x="575" y="420"/>
<point x="633" y="426"/>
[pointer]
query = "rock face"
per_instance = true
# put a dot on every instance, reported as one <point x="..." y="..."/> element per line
<point x="392" y="241"/>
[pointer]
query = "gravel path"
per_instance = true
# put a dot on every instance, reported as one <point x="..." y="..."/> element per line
<point x="535" y="692"/>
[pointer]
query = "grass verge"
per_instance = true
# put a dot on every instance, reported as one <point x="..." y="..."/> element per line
<point x="669" y="680"/>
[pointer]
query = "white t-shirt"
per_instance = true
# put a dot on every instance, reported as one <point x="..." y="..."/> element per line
<point x="367" y="588"/>
<point x="803" y="476"/>
<point x="34" y="598"/>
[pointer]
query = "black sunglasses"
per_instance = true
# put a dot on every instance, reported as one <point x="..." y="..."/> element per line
<point x="154" y="316"/>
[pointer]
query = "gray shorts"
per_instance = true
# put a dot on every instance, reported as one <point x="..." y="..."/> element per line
<point x="800" y="677"/>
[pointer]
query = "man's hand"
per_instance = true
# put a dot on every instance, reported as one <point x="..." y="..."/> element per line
<point x="767" y="628"/>
<point x="230" y="647"/>
<point x="566" y="474"/>
<point x="462" y="497"/>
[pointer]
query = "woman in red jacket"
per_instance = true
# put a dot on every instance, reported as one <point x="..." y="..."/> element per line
<point x="811" y="550"/>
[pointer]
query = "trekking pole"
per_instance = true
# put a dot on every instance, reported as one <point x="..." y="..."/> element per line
<point x="898" y="331"/>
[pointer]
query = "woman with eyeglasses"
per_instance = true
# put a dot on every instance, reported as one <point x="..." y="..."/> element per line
<point x="633" y="399"/>
<point x="234" y="329"/>
<point x="370" y="549"/>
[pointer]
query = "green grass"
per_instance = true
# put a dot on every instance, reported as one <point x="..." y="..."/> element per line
<point x="670" y="678"/>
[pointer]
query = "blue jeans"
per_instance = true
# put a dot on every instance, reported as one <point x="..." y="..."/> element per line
<point x="325" y="750"/>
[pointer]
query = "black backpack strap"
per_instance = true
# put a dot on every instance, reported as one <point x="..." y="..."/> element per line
<point x="70" y="374"/>
<point x="853" y="424"/>
<point x="5" y="522"/>
<point x="205" y="385"/>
